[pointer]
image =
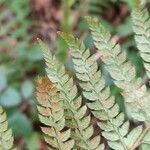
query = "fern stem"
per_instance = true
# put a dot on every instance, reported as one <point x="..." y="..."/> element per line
<point x="109" y="118"/>
<point x="139" y="140"/>
<point x="75" y="119"/>
<point x="106" y="110"/>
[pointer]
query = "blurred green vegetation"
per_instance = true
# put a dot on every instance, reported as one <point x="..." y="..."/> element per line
<point x="21" y="60"/>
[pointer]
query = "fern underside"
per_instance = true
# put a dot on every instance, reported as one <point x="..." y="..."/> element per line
<point x="122" y="71"/>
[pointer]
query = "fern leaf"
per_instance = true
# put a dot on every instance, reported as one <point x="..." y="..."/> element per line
<point x="83" y="130"/>
<point x="100" y="102"/>
<point x="122" y="71"/>
<point x="51" y="113"/>
<point x="6" y="138"/>
<point x="141" y="23"/>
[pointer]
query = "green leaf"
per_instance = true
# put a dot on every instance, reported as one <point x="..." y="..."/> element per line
<point x="27" y="89"/>
<point x="10" y="98"/>
<point x="33" y="142"/>
<point x="126" y="28"/>
<point x="20" y="124"/>
<point x="3" y="81"/>
<point x="71" y="2"/>
<point x="35" y="54"/>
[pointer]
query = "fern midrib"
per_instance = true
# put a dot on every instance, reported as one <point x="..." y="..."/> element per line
<point x="110" y="119"/>
<point x="98" y="95"/>
<point x="56" y="132"/>
<point x="116" y="62"/>
<point x="74" y="112"/>
<point x="75" y="119"/>
<point x="113" y="56"/>
<point x="141" y="137"/>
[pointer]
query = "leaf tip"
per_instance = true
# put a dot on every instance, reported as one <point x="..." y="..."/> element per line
<point x="92" y="21"/>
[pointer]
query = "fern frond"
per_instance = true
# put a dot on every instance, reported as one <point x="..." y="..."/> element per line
<point x="73" y="104"/>
<point x="51" y="114"/>
<point x="122" y="71"/>
<point x="141" y="27"/>
<point x="103" y="106"/>
<point x="6" y="138"/>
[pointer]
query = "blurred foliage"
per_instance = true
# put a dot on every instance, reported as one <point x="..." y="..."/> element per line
<point x="21" y="59"/>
